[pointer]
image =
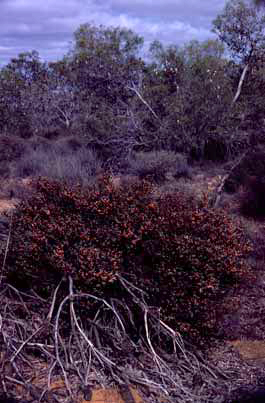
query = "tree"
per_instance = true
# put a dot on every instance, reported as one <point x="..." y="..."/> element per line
<point x="259" y="2"/>
<point x="211" y="49"/>
<point x="17" y="82"/>
<point x="104" y="68"/>
<point x="241" y="27"/>
<point x="191" y="93"/>
<point x="105" y="59"/>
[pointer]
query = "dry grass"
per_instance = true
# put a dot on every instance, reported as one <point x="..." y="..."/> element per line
<point x="60" y="164"/>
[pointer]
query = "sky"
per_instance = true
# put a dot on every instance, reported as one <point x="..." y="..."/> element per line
<point x="48" y="25"/>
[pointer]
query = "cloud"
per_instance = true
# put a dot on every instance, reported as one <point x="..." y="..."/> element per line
<point x="189" y="11"/>
<point x="47" y="26"/>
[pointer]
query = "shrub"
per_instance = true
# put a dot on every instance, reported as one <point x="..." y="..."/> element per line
<point x="32" y="164"/>
<point x="180" y="168"/>
<point x="39" y="143"/>
<point x="4" y="170"/>
<point x="215" y="149"/>
<point x="253" y="198"/>
<point x="154" y="165"/>
<point x="69" y="144"/>
<point x="11" y="148"/>
<point x="252" y="164"/>
<point x="182" y="254"/>
<point x="52" y="134"/>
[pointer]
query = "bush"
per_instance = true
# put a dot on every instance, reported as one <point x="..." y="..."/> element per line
<point x="182" y="254"/>
<point x="52" y="134"/>
<point x="11" y="148"/>
<point x="180" y="168"/>
<point x="253" y="198"/>
<point x="5" y="170"/>
<point x="215" y="149"/>
<point x="39" y="143"/>
<point x="154" y="165"/>
<point x="70" y="144"/>
<point x="253" y="164"/>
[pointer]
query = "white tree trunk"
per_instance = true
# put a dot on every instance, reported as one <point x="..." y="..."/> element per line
<point x="239" y="87"/>
<point x="133" y="88"/>
<point x="222" y="184"/>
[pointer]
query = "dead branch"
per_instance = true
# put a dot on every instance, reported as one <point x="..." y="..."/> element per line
<point x="98" y="350"/>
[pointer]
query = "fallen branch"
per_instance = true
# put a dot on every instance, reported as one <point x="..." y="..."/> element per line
<point x="96" y="349"/>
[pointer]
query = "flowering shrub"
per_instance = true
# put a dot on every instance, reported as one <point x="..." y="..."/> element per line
<point x="182" y="254"/>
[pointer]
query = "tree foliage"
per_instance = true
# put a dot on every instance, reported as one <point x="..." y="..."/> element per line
<point x="241" y="27"/>
<point x="180" y="100"/>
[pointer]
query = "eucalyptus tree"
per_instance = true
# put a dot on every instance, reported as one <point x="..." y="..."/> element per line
<point x="191" y="93"/>
<point x="104" y="68"/>
<point x="241" y="27"/>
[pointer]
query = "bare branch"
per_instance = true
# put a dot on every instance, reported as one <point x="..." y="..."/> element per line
<point x="134" y="89"/>
<point x="66" y="120"/>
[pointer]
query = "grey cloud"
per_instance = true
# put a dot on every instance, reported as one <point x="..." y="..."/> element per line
<point x="47" y="26"/>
